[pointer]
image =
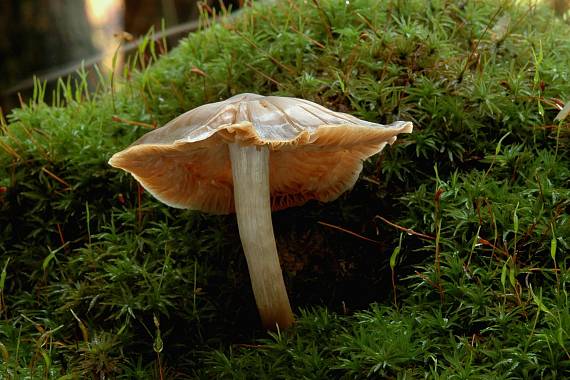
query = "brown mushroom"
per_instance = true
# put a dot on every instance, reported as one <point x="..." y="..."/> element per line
<point x="251" y="154"/>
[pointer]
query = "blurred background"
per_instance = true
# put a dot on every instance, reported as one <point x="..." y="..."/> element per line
<point x="53" y="38"/>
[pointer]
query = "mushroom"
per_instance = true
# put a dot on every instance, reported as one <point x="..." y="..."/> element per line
<point x="251" y="154"/>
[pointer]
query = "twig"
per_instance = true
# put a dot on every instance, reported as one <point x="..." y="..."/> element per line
<point x="349" y="232"/>
<point x="325" y="19"/>
<point x="140" y="191"/>
<point x="273" y="59"/>
<point x="136" y="123"/>
<point x="60" y="232"/>
<point x="307" y="37"/>
<point x="248" y="345"/>
<point x="8" y="149"/>
<point x="371" y="180"/>
<point x="474" y="49"/>
<point x="491" y="245"/>
<point x="369" y="24"/>
<point x="406" y="230"/>
<point x="58" y="179"/>
<point x="430" y="282"/>
<point x="263" y="74"/>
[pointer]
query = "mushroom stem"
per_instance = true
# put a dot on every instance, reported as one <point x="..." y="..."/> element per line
<point x="250" y="170"/>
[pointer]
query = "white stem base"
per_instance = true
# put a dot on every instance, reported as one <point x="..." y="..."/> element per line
<point x="250" y="170"/>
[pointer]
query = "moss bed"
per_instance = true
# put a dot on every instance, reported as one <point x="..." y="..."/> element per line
<point x="468" y="275"/>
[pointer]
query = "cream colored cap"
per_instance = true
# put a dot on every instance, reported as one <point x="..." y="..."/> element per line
<point x="315" y="153"/>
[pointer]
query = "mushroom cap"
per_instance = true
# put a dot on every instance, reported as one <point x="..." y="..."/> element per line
<point x="315" y="153"/>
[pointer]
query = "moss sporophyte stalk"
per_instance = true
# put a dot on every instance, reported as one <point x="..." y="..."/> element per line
<point x="447" y="258"/>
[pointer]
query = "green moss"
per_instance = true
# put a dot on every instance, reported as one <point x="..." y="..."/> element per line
<point x="103" y="280"/>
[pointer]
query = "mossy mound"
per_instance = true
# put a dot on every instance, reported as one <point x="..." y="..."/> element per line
<point x="469" y="274"/>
